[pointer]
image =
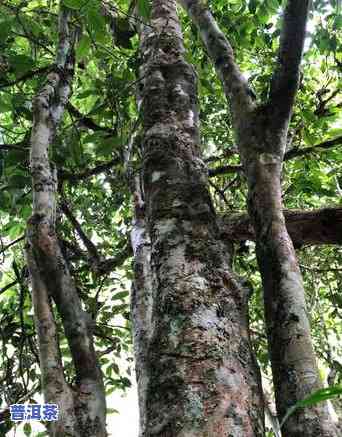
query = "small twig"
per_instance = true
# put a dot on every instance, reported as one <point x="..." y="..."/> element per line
<point x="312" y="269"/>
<point x="89" y="122"/>
<point x="12" y="243"/>
<point x="100" y="168"/>
<point x="26" y="76"/>
<point x="86" y="241"/>
<point x="8" y="286"/>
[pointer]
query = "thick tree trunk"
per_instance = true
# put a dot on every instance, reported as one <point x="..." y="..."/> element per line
<point x="200" y="376"/>
<point x="82" y="408"/>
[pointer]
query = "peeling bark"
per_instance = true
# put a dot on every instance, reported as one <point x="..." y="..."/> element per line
<point x="316" y="227"/>
<point x="82" y="407"/>
<point x="197" y="375"/>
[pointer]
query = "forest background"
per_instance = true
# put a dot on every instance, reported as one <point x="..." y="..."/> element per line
<point x="96" y="146"/>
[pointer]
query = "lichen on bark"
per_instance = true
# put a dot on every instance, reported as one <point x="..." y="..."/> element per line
<point x="200" y="376"/>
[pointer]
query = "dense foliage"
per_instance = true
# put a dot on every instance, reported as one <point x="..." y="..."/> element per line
<point x="90" y="153"/>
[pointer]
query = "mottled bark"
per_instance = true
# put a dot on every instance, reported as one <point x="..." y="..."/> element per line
<point x="316" y="227"/>
<point x="54" y="386"/>
<point x="141" y="299"/>
<point x="261" y="134"/>
<point x="82" y="407"/>
<point x="262" y="147"/>
<point x="197" y="375"/>
<point x="295" y="373"/>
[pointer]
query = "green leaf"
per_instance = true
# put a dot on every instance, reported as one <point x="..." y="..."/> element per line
<point x="87" y="93"/>
<point x="83" y="47"/>
<point x="121" y="295"/>
<point x="75" y="148"/>
<point x="252" y="5"/>
<point x="73" y="4"/>
<point x="318" y="396"/>
<point x="21" y="63"/>
<point x="273" y="5"/>
<point x="110" y="391"/>
<point x="27" y="429"/>
<point x="97" y="24"/>
<point x="15" y="231"/>
<point x="144" y="8"/>
<point x="112" y="411"/>
<point x="5" y="106"/>
<point x="5" y="29"/>
<point x="19" y="181"/>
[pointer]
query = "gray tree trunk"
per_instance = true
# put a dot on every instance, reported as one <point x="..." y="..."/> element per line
<point x="261" y="135"/>
<point x="197" y="375"/>
<point x="82" y="408"/>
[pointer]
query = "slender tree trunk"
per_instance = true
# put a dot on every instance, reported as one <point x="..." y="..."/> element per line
<point x="141" y="299"/>
<point x="295" y="372"/>
<point x="197" y="375"/>
<point x="82" y="408"/>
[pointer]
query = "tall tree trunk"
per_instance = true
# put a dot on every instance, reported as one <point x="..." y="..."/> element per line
<point x="261" y="133"/>
<point x="82" y="409"/>
<point x="294" y="368"/>
<point x="197" y="375"/>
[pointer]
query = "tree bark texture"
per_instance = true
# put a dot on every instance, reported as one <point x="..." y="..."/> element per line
<point x="294" y="368"/>
<point x="261" y="134"/>
<point x="197" y="375"/>
<point x="82" y="408"/>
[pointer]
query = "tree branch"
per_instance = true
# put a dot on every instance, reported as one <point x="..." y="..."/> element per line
<point x="100" y="168"/>
<point x="98" y="264"/>
<point x="285" y="79"/>
<point x="235" y="86"/>
<point x="91" y="248"/>
<point x="316" y="227"/>
<point x="12" y="243"/>
<point x="89" y="122"/>
<point x="296" y="152"/>
<point x="224" y="169"/>
<point x="26" y="76"/>
<point x="15" y="146"/>
<point x="8" y="286"/>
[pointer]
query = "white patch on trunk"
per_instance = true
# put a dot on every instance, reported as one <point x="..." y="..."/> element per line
<point x="137" y="238"/>
<point x="156" y="175"/>
<point x="291" y="282"/>
<point x="228" y="378"/>
<point x="190" y="118"/>
<point x="205" y="317"/>
<point x="179" y="91"/>
<point x="176" y="203"/>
